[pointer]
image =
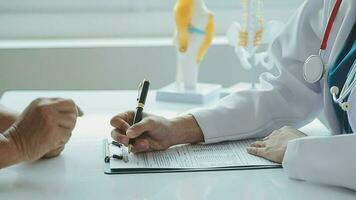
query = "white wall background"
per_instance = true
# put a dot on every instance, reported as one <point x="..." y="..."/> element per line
<point x="88" y="44"/>
<point x="108" y="67"/>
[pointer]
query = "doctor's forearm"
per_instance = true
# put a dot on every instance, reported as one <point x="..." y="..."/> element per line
<point x="186" y="130"/>
<point x="322" y="159"/>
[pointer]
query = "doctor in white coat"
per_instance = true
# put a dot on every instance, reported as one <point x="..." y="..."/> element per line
<point x="289" y="99"/>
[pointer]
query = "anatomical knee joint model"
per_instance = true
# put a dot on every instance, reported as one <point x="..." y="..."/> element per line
<point x="194" y="34"/>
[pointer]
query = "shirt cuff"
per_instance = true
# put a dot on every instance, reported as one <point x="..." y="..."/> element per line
<point x="290" y="163"/>
<point x="206" y="121"/>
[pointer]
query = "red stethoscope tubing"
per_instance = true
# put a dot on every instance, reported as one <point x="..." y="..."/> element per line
<point x="330" y="25"/>
<point x="314" y="66"/>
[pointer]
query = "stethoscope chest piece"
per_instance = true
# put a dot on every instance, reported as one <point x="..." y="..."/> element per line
<point x="313" y="69"/>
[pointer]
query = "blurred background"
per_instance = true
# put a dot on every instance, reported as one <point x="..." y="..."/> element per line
<point x="110" y="44"/>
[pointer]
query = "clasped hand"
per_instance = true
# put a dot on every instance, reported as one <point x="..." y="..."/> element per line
<point x="44" y="128"/>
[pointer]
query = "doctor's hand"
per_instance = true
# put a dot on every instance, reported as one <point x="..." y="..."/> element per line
<point x="44" y="128"/>
<point x="274" y="145"/>
<point x="154" y="132"/>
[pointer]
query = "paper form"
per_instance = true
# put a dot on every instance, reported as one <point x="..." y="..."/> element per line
<point x="227" y="154"/>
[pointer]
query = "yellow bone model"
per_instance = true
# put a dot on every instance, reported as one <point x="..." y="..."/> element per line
<point x="192" y="17"/>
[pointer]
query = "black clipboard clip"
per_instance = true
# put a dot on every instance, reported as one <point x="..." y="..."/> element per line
<point x="124" y="156"/>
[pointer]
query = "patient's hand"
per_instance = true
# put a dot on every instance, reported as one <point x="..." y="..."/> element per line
<point x="7" y="118"/>
<point x="44" y="128"/>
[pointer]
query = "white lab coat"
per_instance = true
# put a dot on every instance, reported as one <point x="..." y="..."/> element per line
<point x="287" y="99"/>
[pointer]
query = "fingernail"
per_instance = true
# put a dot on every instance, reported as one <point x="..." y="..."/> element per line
<point x="80" y="112"/>
<point x="130" y="148"/>
<point x="115" y="134"/>
<point x="129" y="132"/>
<point x="114" y="131"/>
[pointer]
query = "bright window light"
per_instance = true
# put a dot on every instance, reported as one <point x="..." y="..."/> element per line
<point x="36" y="19"/>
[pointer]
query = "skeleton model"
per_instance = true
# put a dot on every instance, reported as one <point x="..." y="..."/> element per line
<point x="194" y="34"/>
<point x="248" y="36"/>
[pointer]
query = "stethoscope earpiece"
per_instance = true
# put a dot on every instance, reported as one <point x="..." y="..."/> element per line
<point x="334" y="90"/>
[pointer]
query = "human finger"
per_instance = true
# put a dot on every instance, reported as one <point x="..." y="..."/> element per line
<point x="286" y="128"/>
<point x="119" y="137"/>
<point x="121" y="124"/>
<point x="266" y="138"/>
<point x="63" y="136"/>
<point x="69" y="106"/>
<point x="66" y="106"/>
<point x="258" y="144"/>
<point x="274" y="133"/>
<point x="126" y="116"/>
<point x="54" y="99"/>
<point x="140" y="145"/>
<point x="139" y="128"/>
<point x="257" y="151"/>
<point x="67" y="121"/>
<point x="53" y="153"/>
<point x="80" y="112"/>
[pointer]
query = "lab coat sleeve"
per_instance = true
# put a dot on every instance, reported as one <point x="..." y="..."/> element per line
<point x="285" y="99"/>
<point x="328" y="160"/>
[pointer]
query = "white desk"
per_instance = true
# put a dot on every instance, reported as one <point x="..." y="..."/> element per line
<point x="78" y="172"/>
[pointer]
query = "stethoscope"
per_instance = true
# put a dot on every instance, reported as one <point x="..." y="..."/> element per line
<point x="314" y="68"/>
<point x="349" y="85"/>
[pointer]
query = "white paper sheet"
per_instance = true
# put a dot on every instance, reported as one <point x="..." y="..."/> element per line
<point x="227" y="154"/>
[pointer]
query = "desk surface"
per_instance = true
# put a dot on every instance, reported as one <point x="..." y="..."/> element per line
<point x="78" y="172"/>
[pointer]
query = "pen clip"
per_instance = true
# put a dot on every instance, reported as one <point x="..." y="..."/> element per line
<point x="140" y="86"/>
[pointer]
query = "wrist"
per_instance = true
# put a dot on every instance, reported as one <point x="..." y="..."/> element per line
<point x="16" y="142"/>
<point x="10" y="153"/>
<point x="7" y="119"/>
<point x="186" y="130"/>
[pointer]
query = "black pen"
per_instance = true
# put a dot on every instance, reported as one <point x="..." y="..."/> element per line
<point x="141" y="100"/>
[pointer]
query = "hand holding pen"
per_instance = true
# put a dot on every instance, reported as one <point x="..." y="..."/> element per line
<point x="147" y="132"/>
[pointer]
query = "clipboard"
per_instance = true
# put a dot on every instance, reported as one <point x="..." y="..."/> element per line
<point x="108" y="157"/>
